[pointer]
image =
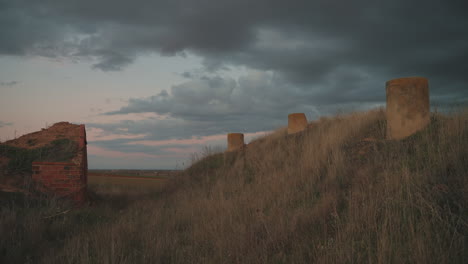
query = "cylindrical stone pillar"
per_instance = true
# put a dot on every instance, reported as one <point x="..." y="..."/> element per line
<point x="407" y="106"/>
<point x="297" y="122"/>
<point x="235" y="141"/>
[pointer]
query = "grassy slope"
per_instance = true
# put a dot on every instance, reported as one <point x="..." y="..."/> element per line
<point x="337" y="193"/>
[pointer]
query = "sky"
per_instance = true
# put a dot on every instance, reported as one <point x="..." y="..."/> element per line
<point x="156" y="81"/>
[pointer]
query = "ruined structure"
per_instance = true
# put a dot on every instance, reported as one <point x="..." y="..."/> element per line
<point x="407" y="106"/>
<point x="57" y="157"/>
<point x="65" y="179"/>
<point x="297" y="122"/>
<point x="235" y="141"/>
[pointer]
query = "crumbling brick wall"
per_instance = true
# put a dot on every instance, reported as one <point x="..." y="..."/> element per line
<point x="65" y="179"/>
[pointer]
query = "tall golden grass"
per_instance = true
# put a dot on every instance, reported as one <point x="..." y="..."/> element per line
<point x="336" y="193"/>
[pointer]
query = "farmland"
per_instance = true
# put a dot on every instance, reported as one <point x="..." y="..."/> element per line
<point x="136" y="180"/>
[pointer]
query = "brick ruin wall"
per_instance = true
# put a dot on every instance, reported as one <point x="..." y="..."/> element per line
<point x="65" y="179"/>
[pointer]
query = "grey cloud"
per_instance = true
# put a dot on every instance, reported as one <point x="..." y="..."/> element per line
<point x="325" y="51"/>
<point x="91" y="28"/>
<point x="113" y="62"/>
<point x="217" y="97"/>
<point x="259" y="101"/>
<point x="187" y="75"/>
<point x="423" y="37"/>
<point x="175" y="128"/>
<point x="258" y="93"/>
<point x="255" y="102"/>
<point x="310" y="56"/>
<point x="11" y="83"/>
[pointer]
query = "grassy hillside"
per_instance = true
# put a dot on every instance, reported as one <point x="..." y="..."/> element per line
<point x="337" y="193"/>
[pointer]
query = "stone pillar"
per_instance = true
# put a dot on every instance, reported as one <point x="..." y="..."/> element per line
<point x="297" y="122"/>
<point x="407" y="106"/>
<point x="235" y="141"/>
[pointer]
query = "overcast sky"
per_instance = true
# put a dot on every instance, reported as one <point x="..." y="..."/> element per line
<point x="155" y="81"/>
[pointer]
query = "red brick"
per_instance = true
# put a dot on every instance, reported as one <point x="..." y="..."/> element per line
<point x="47" y="167"/>
<point x="49" y="170"/>
<point x="64" y="178"/>
<point x="53" y="163"/>
<point x="62" y="181"/>
<point x="46" y="176"/>
<point x="62" y="193"/>
<point x="62" y="189"/>
<point x="55" y="176"/>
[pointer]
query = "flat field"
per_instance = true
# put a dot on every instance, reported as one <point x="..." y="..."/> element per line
<point x="145" y="181"/>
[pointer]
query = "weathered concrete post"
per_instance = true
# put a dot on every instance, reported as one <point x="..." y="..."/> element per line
<point x="235" y="141"/>
<point x="297" y="122"/>
<point x="407" y="106"/>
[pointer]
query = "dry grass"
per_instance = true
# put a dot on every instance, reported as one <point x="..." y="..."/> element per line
<point x="337" y="193"/>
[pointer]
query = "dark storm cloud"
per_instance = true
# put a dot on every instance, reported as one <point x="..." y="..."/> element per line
<point x="360" y="32"/>
<point x="303" y="40"/>
<point x="309" y="56"/>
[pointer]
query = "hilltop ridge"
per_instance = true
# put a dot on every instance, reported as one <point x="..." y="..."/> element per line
<point x="338" y="192"/>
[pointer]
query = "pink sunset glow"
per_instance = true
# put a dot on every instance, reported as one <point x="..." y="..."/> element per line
<point x="97" y="134"/>
<point x="194" y="140"/>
